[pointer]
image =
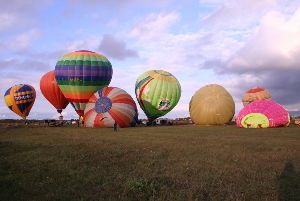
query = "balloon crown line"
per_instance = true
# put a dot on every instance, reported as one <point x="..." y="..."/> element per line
<point x="84" y="51"/>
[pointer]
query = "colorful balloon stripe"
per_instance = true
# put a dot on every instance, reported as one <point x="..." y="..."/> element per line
<point x="86" y="72"/>
<point x="141" y="93"/>
<point x="110" y="105"/>
<point x="78" y="108"/>
<point x="78" y="81"/>
<point x="79" y="74"/>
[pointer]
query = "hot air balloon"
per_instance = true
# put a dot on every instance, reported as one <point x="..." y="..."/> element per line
<point x="81" y="73"/>
<point x="108" y="106"/>
<point x="211" y="105"/>
<point x="51" y="91"/>
<point x="262" y="114"/>
<point x="157" y="92"/>
<point x="20" y="99"/>
<point x="254" y="94"/>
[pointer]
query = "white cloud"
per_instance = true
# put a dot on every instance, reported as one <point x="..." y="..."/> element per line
<point x="154" y="26"/>
<point x="21" y="6"/>
<point x="237" y="14"/>
<point x="269" y="58"/>
<point x="276" y="44"/>
<point x="86" y="43"/>
<point x="7" y="20"/>
<point x="17" y="14"/>
<point x="24" y="40"/>
<point x="114" y="4"/>
<point x="116" y="48"/>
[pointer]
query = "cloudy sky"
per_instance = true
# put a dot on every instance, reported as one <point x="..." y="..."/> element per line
<point x="236" y="43"/>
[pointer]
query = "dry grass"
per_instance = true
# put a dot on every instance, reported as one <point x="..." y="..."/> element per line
<point x="153" y="163"/>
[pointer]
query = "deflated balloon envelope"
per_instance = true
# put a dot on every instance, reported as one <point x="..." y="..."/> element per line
<point x="81" y="73"/>
<point x="157" y="92"/>
<point x="51" y="91"/>
<point x="20" y="99"/>
<point x="108" y="106"/>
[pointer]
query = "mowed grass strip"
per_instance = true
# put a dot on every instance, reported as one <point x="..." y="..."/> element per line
<point x="150" y="163"/>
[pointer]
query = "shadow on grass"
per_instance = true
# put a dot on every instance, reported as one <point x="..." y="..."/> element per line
<point x="289" y="184"/>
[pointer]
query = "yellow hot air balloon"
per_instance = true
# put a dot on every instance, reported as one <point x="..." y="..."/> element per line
<point x="212" y="105"/>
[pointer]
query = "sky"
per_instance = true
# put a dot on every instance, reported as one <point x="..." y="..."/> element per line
<point x="238" y="44"/>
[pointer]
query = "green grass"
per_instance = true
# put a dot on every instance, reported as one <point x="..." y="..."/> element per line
<point x="152" y="163"/>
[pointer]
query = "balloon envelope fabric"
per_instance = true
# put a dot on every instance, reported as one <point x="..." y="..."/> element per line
<point x="211" y="105"/>
<point x="51" y="91"/>
<point x="262" y="114"/>
<point x="157" y="92"/>
<point x="110" y="105"/>
<point x="81" y="73"/>
<point x="20" y="99"/>
<point x="254" y="94"/>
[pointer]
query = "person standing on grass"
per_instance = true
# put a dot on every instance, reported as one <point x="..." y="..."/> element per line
<point x="115" y="127"/>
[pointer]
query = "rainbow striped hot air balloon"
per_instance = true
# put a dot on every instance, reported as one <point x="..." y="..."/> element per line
<point x="157" y="92"/>
<point x="110" y="105"/>
<point x="20" y="99"/>
<point x="81" y="73"/>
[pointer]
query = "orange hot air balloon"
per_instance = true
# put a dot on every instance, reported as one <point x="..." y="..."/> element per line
<point x="52" y="92"/>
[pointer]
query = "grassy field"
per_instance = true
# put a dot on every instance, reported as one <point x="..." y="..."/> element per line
<point x="152" y="163"/>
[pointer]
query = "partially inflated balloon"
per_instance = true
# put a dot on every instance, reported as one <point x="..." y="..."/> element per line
<point x="81" y="73"/>
<point x="51" y="91"/>
<point x="212" y="105"/>
<point x="20" y="99"/>
<point x="157" y="92"/>
<point x="108" y="106"/>
<point x="255" y="94"/>
<point x="262" y="114"/>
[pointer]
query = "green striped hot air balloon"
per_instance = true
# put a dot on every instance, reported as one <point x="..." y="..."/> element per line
<point x="157" y="92"/>
<point x="80" y="74"/>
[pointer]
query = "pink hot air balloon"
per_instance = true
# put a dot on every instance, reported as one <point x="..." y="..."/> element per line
<point x="262" y="114"/>
<point x="108" y="106"/>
